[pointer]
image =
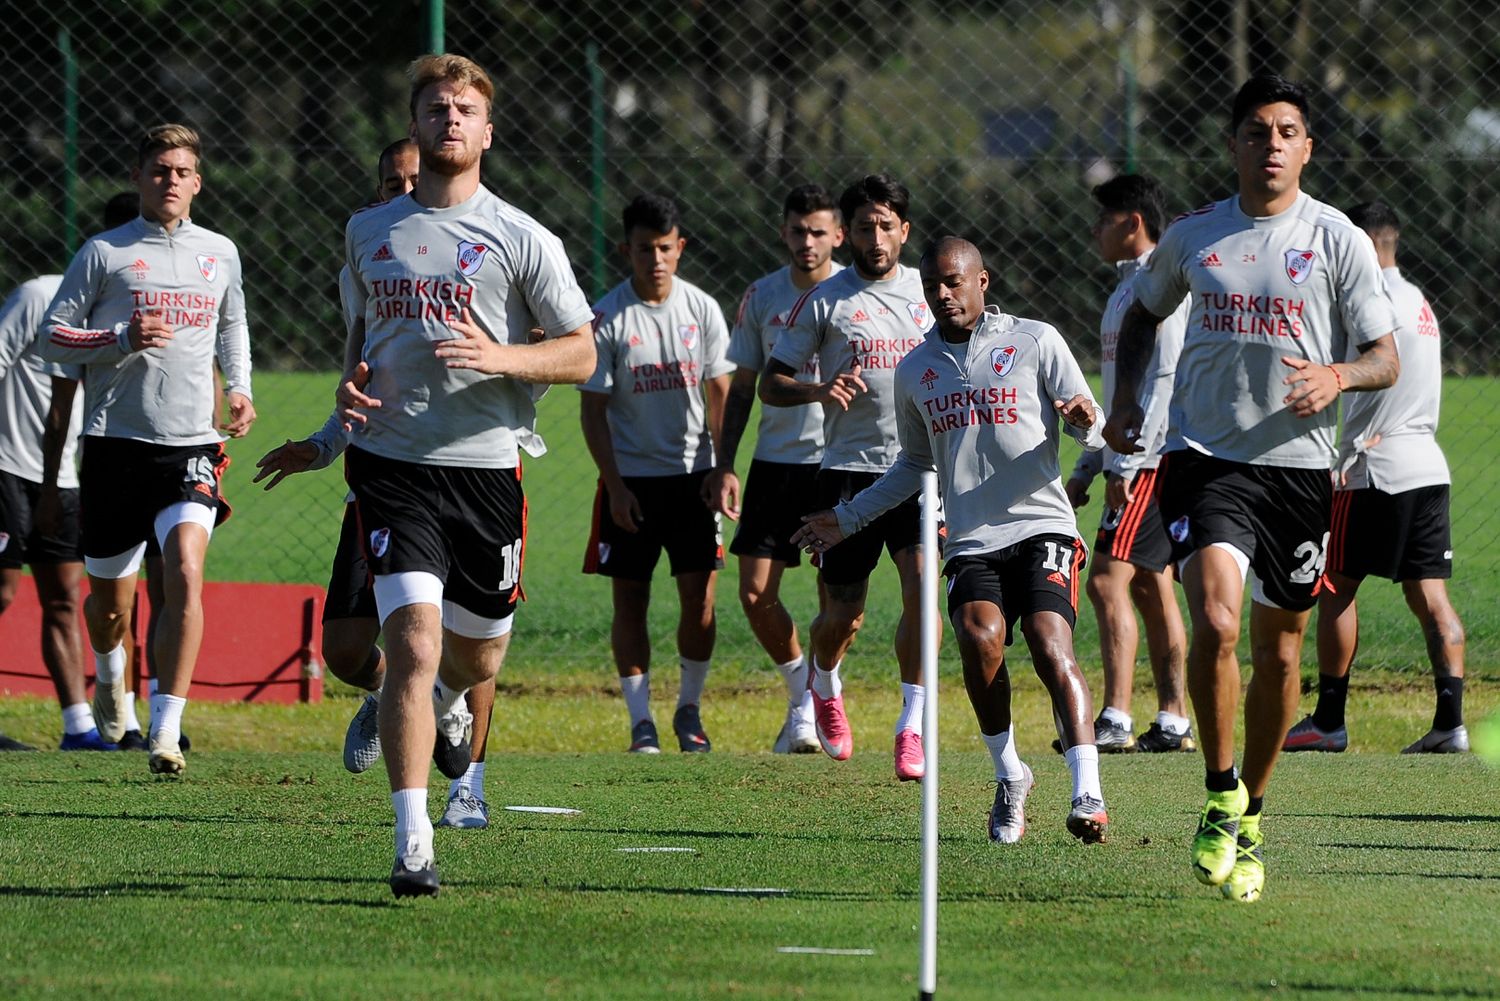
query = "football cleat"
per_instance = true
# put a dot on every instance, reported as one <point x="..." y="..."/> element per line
<point x="832" y="727"/>
<point x="911" y="762"/>
<point x="165" y="759"/>
<point x="362" y="739"/>
<point x="12" y="744"/>
<point x="1112" y="738"/>
<point x="414" y="874"/>
<point x="689" y="729"/>
<point x="1156" y="740"/>
<point x="797" y="736"/>
<point x="1215" y="844"/>
<point x="643" y="738"/>
<point x="1249" y="872"/>
<point x="1455" y="741"/>
<point x="466" y="813"/>
<point x="134" y="740"/>
<point x="109" y="710"/>
<point x="1007" y="819"/>
<point x="1306" y="736"/>
<point x="1087" y="820"/>
<point x="450" y="751"/>
<point x="89" y="741"/>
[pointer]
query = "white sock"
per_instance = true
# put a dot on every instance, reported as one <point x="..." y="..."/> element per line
<point x="913" y="700"/>
<point x="131" y="720"/>
<point x="827" y="683"/>
<point x="77" y="718"/>
<point x="1083" y="762"/>
<point x="110" y="667"/>
<point x="412" y="822"/>
<point x="1003" y="753"/>
<point x="637" y="691"/>
<point x="1171" y="723"/>
<point x="1118" y="717"/>
<point x="445" y="699"/>
<point x="470" y="783"/>
<point x="166" y="718"/>
<point x="694" y="674"/>
<point x="794" y="673"/>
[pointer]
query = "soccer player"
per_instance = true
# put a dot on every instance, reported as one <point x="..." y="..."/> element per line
<point x="788" y="447"/>
<point x="652" y="414"/>
<point x="147" y="308"/>
<point x="1132" y="555"/>
<point x="437" y="390"/>
<point x="980" y="401"/>
<point x="1390" y="519"/>
<point x="1281" y="285"/>
<point x="28" y="387"/>
<point x="857" y="326"/>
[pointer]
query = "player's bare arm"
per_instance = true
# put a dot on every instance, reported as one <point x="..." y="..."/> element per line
<point x="1077" y="489"/>
<point x="1314" y="387"/>
<point x="241" y="415"/>
<point x="285" y="460"/>
<point x="54" y="441"/>
<point x="1132" y="355"/>
<point x="1078" y="412"/>
<point x="593" y="413"/>
<point x="349" y="399"/>
<point x="819" y="532"/>
<point x="569" y="358"/>
<point x="149" y="330"/>
<point x="779" y="387"/>
<point x="722" y="487"/>
<point x="1118" y="490"/>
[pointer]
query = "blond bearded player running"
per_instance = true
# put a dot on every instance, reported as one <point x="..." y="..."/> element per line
<point x="438" y="391"/>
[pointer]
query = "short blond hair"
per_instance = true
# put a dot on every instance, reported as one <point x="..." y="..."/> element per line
<point x="449" y="68"/>
<point x="170" y="135"/>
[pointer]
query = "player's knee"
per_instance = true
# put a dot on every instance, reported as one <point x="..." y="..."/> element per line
<point x="352" y="662"/>
<point x="1218" y="625"/>
<point x="756" y="601"/>
<point x="840" y="622"/>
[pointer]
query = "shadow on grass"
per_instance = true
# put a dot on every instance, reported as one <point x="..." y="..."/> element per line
<point x="1406" y="848"/>
<point x="1404" y="818"/>
<point x="1345" y="990"/>
<point x="838" y="837"/>
<point x="189" y="891"/>
<point x="1011" y="895"/>
<point x="185" y="818"/>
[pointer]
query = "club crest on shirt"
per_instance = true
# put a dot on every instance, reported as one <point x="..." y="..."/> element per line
<point x="208" y="267"/>
<point x="1002" y="359"/>
<point x="4" y="540"/>
<point x="1299" y="265"/>
<point x="380" y="541"/>
<point x="688" y="334"/>
<point x="919" y="313"/>
<point x="470" y="257"/>
<point x="1179" y="529"/>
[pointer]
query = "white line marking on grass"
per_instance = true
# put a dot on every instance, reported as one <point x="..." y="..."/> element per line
<point x="566" y="810"/>
<point x="751" y="891"/>
<point x="813" y="950"/>
<point x="659" y="848"/>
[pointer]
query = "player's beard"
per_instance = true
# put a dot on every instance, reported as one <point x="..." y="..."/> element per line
<point x="449" y="162"/>
<point x="870" y="270"/>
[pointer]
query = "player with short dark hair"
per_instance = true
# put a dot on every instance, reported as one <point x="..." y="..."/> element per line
<point x="1390" y="518"/>
<point x="148" y="307"/>
<point x="788" y="447"/>
<point x="980" y="400"/>
<point x="652" y="415"/>
<point x="1132" y="555"/>
<point x="1283" y="286"/>
<point x="446" y="286"/>
<point x="857" y="326"/>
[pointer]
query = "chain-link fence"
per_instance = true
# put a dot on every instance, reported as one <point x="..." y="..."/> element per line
<point x="999" y="114"/>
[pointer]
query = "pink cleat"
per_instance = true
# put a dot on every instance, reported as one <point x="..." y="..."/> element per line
<point x="911" y="763"/>
<point x="833" y="727"/>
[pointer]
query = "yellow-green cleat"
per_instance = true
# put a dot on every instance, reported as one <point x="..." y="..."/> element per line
<point x="1249" y="872"/>
<point x="1218" y="825"/>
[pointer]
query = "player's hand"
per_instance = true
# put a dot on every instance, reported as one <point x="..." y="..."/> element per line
<point x="721" y="492"/>
<point x="844" y="387"/>
<point x="1314" y="387"/>
<point x="1077" y="489"/>
<point x="1077" y="412"/>
<point x="241" y="416"/>
<point x="472" y="348"/>
<point x="48" y="517"/>
<point x="350" y="400"/>
<point x="284" y="460"/>
<point x="149" y="330"/>
<point x="819" y="533"/>
<point x="1123" y="429"/>
<point x="625" y="510"/>
<point x="1118" y="490"/>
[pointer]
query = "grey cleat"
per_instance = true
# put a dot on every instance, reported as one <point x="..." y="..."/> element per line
<point x="1455" y="741"/>
<point x="466" y="813"/>
<point x="362" y="739"/>
<point x="109" y="710"/>
<point x="1007" y="818"/>
<point x="1306" y="736"/>
<point x="1087" y="820"/>
<point x="1112" y="738"/>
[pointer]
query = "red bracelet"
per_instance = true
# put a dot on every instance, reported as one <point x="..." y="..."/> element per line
<point x="1337" y="381"/>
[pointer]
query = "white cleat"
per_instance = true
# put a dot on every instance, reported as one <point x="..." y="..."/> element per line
<point x="109" y="710"/>
<point x="466" y="813"/>
<point x="362" y="739"/>
<point x="166" y="757"/>
<point x="798" y="735"/>
<point x="1455" y="741"/>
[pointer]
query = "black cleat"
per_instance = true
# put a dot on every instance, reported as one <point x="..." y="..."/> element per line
<point x="689" y="729"/>
<point x="1156" y="740"/>
<point x="414" y="876"/>
<point x="12" y="744"/>
<point x="134" y="740"/>
<point x="451" y="752"/>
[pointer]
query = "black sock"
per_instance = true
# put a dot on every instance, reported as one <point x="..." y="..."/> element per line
<point x="1224" y="781"/>
<point x="1257" y="803"/>
<point x="1450" y="702"/>
<point x="1329" y="715"/>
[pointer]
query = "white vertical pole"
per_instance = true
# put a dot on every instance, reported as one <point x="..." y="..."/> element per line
<point x="927" y="976"/>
